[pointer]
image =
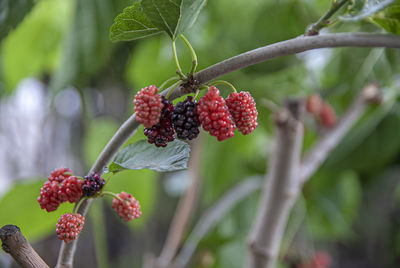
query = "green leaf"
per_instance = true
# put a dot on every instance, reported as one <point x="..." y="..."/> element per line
<point x="20" y="207"/>
<point x="142" y="155"/>
<point x="12" y="12"/>
<point x="132" y="24"/>
<point x="389" y="19"/>
<point x="364" y="8"/>
<point x="173" y="16"/>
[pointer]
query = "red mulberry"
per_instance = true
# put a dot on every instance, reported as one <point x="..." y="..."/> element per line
<point x="128" y="208"/>
<point x="148" y="106"/>
<point x="70" y="189"/>
<point x="69" y="226"/>
<point x="243" y="110"/>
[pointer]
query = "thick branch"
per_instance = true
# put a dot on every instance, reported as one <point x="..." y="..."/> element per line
<point x="279" y="193"/>
<point x="252" y="57"/>
<point x="317" y="155"/>
<point x="185" y="209"/>
<point x="212" y="216"/>
<point x="15" y="244"/>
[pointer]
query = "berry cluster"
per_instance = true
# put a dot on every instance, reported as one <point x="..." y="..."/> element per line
<point x="126" y="206"/>
<point x="69" y="226"/>
<point x="186" y="120"/>
<point x="163" y="132"/>
<point x="321" y="110"/>
<point x="217" y="116"/>
<point x="92" y="184"/>
<point x="61" y="187"/>
<point x="148" y="106"/>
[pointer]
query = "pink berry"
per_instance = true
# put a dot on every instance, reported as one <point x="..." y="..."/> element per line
<point x="60" y="174"/>
<point x="327" y="116"/>
<point x="314" y="104"/>
<point x="127" y="207"/>
<point x="148" y="106"/>
<point x="70" y="189"/>
<point x="48" y="197"/>
<point x="243" y="109"/>
<point x="69" y="226"/>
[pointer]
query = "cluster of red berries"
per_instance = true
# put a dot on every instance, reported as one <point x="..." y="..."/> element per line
<point x="217" y="116"/>
<point x="63" y="186"/>
<point x="322" y="110"/>
<point x="321" y="259"/>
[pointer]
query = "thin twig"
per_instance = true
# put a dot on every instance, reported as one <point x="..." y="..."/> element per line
<point x="279" y="193"/>
<point x="324" y="20"/>
<point x="15" y="244"/>
<point x="292" y="46"/>
<point x="213" y="215"/>
<point x="319" y="152"/>
<point x="186" y="207"/>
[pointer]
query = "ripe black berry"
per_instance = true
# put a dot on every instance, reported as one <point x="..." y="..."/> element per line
<point x="163" y="132"/>
<point x="92" y="184"/>
<point x="185" y="119"/>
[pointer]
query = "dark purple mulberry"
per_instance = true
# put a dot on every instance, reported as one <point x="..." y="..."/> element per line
<point x="92" y="184"/>
<point x="186" y="120"/>
<point x="163" y="132"/>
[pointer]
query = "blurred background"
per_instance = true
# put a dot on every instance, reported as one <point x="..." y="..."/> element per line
<point x="65" y="89"/>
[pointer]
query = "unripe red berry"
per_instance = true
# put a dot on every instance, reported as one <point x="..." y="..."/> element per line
<point x="148" y="106"/>
<point x="69" y="226"/>
<point x="321" y="259"/>
<point x="314" y="104"/>
<point x="70" y="189"/>
<point x="214" y="115"/>
<point x="243" y="109"/>
<point x="127" y="207"/>
<point x="48" y="197"/>
<point x="327" y="115"/>
<point x="60" y="174"/>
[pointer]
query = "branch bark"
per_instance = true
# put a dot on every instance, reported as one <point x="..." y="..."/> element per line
<point x="280" y="191"/>
<point x="292" y="46"/>
<point x="317" y="155"/>
<point x="212" y="216"/>
<point x="15" y="244"/>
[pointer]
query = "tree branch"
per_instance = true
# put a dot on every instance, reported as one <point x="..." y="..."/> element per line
<point x="15" y="244"/>
<point x="317" y="155"/>
<point x="279" y="193"/>
<point x="185" y="209"/>
<point x="212" y="216"/>
<point x="292" y="46"/>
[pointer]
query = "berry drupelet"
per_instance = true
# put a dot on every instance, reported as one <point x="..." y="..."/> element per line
<point x="148" y="106"/>
<point x="163" y="132"/>
<point x="60" y="174"/>
<point x="127" y="207"/>
<point x="185" y="119"/>
<point x="214" y="115"/>
<point x="92" y="184"/>
<point x="243" y="109"/>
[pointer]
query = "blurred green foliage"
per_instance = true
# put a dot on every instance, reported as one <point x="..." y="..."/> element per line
<point x="69" y="41"/>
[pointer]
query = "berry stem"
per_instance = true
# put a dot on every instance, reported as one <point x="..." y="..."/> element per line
<point x="225" y="83"/>
<point x="178" y="66"/>
<point x="196" y="94"/>
<point x="75" y="209"/>
<point x="172" y="89"/>
<point x="111" y="194"/>
<point x="324" y="20"/>
<point x="167" y="81"/>
<point x="192" y="54"/>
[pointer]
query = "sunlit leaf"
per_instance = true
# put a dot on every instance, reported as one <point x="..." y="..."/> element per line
<point x="364" y="8"/>
<point x="132" y="24"/>
<point x="173" y="16"/>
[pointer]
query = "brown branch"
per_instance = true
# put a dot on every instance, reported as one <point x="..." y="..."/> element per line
<point x="212" y="216"/>
<point x="279" y="193"/>
<point x="185" y="209"/>
<point x="317" y="155"/>
<point x="15" y="244"/>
